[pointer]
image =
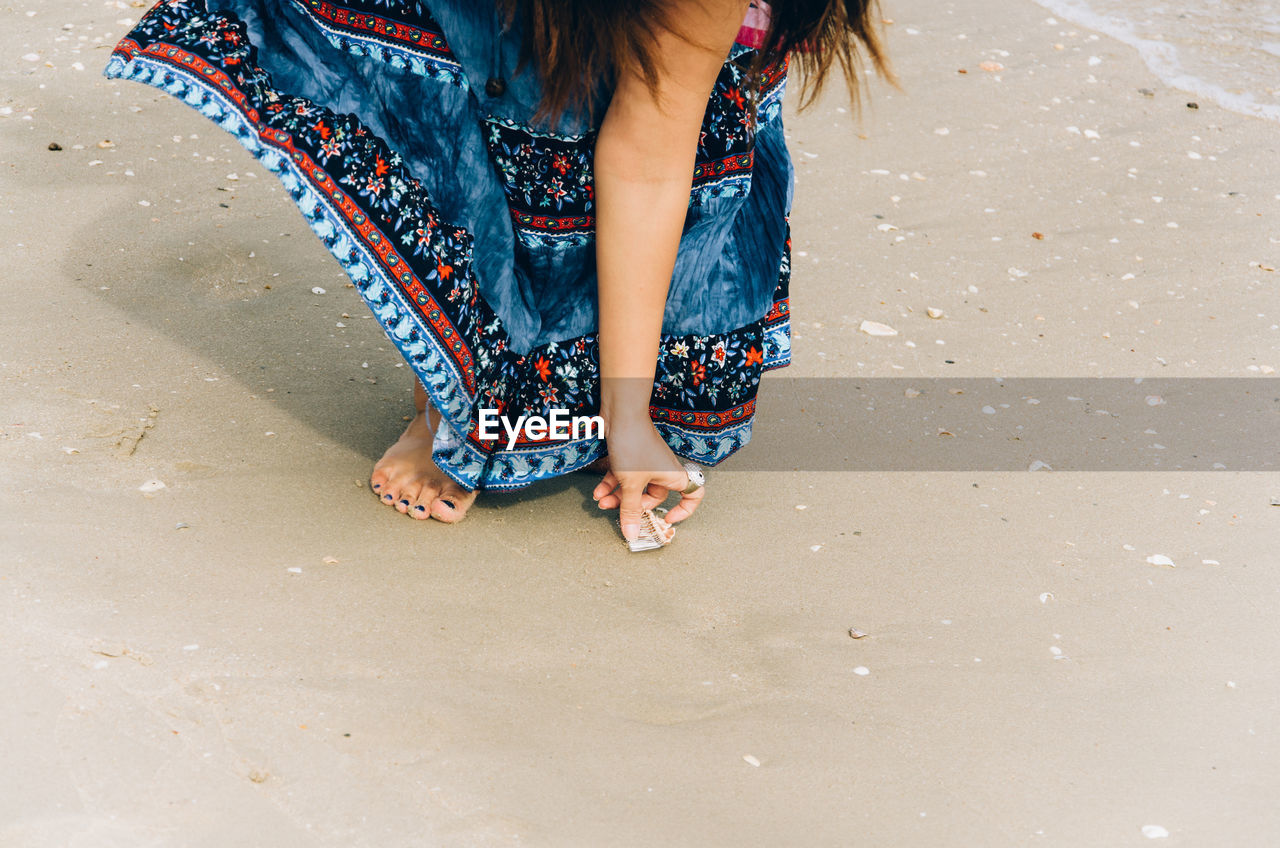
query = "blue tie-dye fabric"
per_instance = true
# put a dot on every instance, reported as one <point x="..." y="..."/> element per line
<point x="443" y="125"/>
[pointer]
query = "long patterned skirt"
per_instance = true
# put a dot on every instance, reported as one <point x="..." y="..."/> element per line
<point x="407" y="137"/>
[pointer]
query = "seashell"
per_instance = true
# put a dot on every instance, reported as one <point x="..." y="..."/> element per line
<point x="875" y="328"/>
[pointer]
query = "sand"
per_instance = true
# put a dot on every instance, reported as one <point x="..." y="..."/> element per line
<point x="259" y="654"/>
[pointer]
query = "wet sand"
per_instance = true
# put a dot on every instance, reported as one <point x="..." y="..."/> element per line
<point x="260" y="654"/>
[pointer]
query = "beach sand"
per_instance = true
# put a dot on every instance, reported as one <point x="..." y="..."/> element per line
<point x="259" y="654"/>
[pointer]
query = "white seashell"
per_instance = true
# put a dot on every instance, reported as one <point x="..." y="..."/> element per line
<point x="1154" y="831"/>
<point x="751" y="761"/>
<point x="934" y="312"/>
<point x="1160" y="559"/>
<point x="317" y="290"/>
<point x="151" y="486"/>
<point x="862" y="671"/>
<point x="875" y="328"/>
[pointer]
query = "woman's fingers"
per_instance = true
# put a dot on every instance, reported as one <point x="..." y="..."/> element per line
<point x="612" y="493"/>
<point x="655" y="494"/>
<point x="630" y="508"/>
<point x="688" y="504"/>
<point x="606" y="485"/>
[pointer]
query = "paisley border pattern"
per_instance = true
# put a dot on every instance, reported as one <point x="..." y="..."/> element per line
<point x="409" y="41"/>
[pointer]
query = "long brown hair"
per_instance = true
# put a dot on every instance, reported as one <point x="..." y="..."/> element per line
<point x="579" y="44"/>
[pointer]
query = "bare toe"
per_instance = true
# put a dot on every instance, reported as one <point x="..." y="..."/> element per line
<point x="421" y="508"/>
<point x="452" y="504"/>
<point x="408" y="496"/>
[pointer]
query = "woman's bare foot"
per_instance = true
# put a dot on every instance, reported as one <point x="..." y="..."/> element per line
<point x="407" y="478"/>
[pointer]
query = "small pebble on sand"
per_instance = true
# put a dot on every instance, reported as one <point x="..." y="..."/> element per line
<point x="1154" y="831"/>
<point x="750" y="760"/>
<point x="151" y="486"/>
<point x="862" y="671"/>
<point x="855" y="633"/>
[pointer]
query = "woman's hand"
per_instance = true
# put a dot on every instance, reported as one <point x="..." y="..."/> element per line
<point x="645" y="156"/>
<point x="642" y="473"/>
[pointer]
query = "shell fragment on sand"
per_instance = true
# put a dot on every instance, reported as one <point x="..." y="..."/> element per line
<point x="1160" y="559"/>
<point x="875" y="328"/>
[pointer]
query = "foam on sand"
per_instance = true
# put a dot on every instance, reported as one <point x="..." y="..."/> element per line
<point x="1219" y="52"/>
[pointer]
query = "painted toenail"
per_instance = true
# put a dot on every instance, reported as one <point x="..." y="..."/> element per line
<point x="377" y="486"/>
<point x="419" y="508"/>
<point x="388" y="498"/>
<point x="449" y="504"/>
<point x="403" y="501"/>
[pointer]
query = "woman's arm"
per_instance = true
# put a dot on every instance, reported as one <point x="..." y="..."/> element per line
<point x="644" y="161"/>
